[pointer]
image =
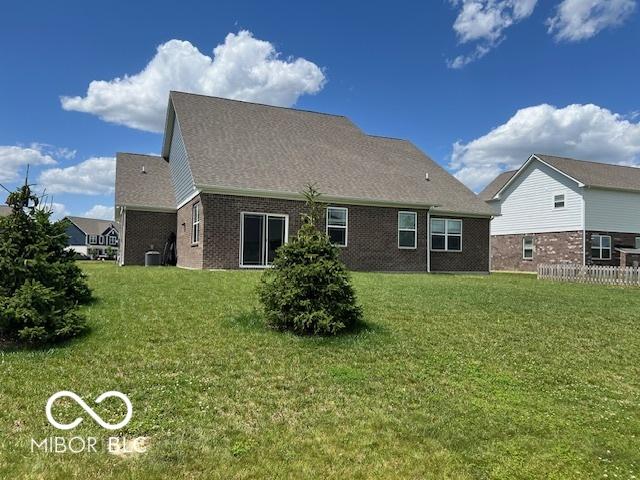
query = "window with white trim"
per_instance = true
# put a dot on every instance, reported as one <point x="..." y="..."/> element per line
<point x="600" y="247"/>
<point x="337" y="224"/>
<point x="100" y="239"/>
<point x="93" y="239"/>
<point x="113" y="240"/>
<point x="407" y="230"/>
<point x="558" y="200"/>
<point x="195" y="223"/>
<point x="446" y="234"/>
<point x="637" y="242"/>
<point x="527" y="248"/>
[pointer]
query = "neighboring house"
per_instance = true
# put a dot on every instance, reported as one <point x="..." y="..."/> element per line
<point x="91" y="236"/>
<point x="4" y="210"/>
<point x="228" y="186"/>
<point x="555" y="209"/>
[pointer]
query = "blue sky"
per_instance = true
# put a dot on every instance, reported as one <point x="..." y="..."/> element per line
<point x="550" y="76"/>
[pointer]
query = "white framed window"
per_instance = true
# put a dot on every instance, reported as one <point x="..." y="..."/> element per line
<point x="600" y="247"/>
<point x="337" y="225"/>
<point x="637" y="242"/>
<point x="407" y="230"/>
<point x="446" y="234"/>
<point x="558" y="200"/>
<point x="195" y="223"/>
<point x="100" y="239"/>
<point x="261" y="234"/>
<point x="93" y="239"/>
<point x="113" y="240"/>
<point x="527" y="248"/>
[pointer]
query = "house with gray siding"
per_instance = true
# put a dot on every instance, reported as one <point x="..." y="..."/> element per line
<point x="562" y="210"/>
<point x="227" y="186"/>
<point x="92" y="237"/>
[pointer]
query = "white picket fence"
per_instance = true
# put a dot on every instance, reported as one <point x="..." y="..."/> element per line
<point x="567" y="272"/>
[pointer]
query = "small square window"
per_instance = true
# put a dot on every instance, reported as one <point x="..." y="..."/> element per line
<point x="601" y="247"/>
<point x="558" y="201"/>
<point x="446" y="234"/>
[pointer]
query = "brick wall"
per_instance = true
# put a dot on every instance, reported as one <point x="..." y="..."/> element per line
<point x="190" y="254"/>
<point x="474" y="256"/>
<point x="146" y="231"/>
<point x="554" y="247"/>
<point x="372" y="235"/>
<point x="618" y="240"/>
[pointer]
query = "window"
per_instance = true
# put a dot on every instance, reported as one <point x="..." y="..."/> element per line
<point x="113" y="240"/>
<point x="337" y="220"/>
<point x="261" y="235"/>
<point x="100" y="239"/>
<point x="637" y="242"/>
<point x="601" y="247"/>
<point x="407" y="230"/>
<point x="93" y="239"/>
<point x="195" y="223"/>
<point x="527" y="248"/>
<point x="558" y="201"/>
<point x="446" y="235"/>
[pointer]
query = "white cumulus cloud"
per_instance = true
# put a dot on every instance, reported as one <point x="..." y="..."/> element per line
<point x="14" y="160"/>
<point x="242" y="68"/>
<point x="94" y="176"/>
<point x="58" y="210"/>
<point x="587" y="132"/>
<point x="100" y="211"/>
<point x="576" y="20"/>
<point x="484" y="22"/>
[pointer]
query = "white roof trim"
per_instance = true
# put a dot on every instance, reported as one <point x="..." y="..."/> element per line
<point x="529" y="160"/>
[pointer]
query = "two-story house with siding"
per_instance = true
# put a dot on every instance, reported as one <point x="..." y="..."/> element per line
<point x="227" y="187"/>
<point x="556" y="209"/>
<point x="92" y="237"/>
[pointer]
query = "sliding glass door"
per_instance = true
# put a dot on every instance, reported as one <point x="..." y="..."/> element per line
<point x="261" y="236"/>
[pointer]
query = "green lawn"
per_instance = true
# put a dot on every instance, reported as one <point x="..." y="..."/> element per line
<point x="496" y="376"/>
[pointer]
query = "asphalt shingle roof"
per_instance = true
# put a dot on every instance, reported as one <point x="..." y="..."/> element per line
<point x="591" y="174"/>
<point x="496" y="184"/>
<point x="594" y="174"/>
<point x="234" y="144"/>
<point x="153" y="188"/>
<point x="92" y="226"/>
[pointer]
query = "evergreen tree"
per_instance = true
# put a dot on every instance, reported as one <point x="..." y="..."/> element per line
<point x="307" y="290"/>
<point x="40" y="284"/>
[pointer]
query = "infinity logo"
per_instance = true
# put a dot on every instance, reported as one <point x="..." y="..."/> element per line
<point x="88" y="409"/>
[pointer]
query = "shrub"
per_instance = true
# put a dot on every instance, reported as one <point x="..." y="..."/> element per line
<point x="307" y="290"/>
<point x="40" y="284"/>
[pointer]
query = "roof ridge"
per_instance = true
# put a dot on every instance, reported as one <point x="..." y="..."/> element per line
<point x="387" y="137"/>
<point x="141" y="154"/>
<point x="261" y="104"/>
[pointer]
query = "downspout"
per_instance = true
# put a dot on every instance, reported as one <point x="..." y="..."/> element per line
<point x="490" y="255"/>
<point x="123" y="216"/>
<point x="584" y="228"/>
<point x="429" y="240"/>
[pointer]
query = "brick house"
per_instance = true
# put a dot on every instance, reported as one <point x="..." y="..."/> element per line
<point x="228" y="180"/>
<point x="556" y="209"/>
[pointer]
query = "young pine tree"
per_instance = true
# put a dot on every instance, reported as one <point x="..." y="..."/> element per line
<point x="307" y="290"/>
<point x="40" y="284"/>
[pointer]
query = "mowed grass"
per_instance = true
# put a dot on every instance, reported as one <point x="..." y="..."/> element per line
<point x="497" y="376"/>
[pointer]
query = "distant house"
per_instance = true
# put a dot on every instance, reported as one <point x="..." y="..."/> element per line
<point x="92" y="237"/>
<point x="4" y="210"/>
<point x="228" y="184"/>
<point x="556" y="209"/>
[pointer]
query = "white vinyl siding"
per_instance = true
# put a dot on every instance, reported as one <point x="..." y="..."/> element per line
<point x="181" y="177"/>
<point x="527" y="205"/>
<point x="612" y="211"/>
